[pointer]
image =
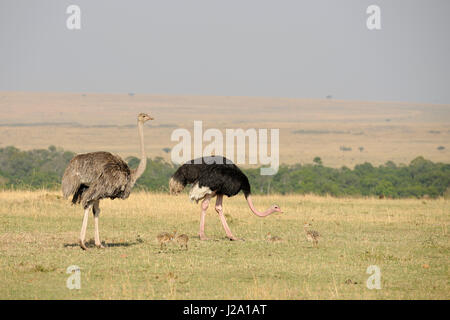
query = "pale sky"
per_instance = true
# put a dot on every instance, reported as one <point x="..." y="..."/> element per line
<point x="300" y="49"/>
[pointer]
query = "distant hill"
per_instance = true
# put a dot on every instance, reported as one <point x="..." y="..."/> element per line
<point x="375" y="132"/>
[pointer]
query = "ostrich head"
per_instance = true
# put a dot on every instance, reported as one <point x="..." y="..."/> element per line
<point x="276" y="208"/>
<point x="143" y="117"/>
<point x="175" y="186"/>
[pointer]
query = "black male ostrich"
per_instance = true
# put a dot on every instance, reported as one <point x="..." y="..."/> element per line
<point x="93" y="176"/>
<point x="214" y="176"/>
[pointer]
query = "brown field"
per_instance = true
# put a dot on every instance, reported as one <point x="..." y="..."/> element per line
<point x="88" y="122"/>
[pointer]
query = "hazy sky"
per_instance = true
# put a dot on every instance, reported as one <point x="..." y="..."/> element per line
<point x="278" y="48"/>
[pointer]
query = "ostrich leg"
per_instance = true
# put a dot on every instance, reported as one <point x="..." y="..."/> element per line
<point x="205" y="205"/>
<point x="219" y="209"/>
<point x="96" y="211"/>
<point x="84" y="226"/>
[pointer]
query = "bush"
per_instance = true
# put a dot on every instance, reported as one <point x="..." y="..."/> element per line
<point x="44" y="169"/>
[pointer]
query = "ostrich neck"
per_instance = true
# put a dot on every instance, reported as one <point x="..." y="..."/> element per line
<point x="258" y="213"/>
<point x="143" y="163"/>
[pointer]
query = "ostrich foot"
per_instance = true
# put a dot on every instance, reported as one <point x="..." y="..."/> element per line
<point x="100" y="246"/>
<point x="203" y="237"/>
<point x="83" y="245"/>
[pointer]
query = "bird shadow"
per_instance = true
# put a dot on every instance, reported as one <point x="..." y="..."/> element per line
<point x="311" y="247"/>
<point x="225" y="239"/>
<point x="91" y="244"/>
<point x="121" y="244"/>
<point x="172" y="251"/>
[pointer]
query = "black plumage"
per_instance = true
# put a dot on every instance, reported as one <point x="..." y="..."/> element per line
<point x="217" y="173"/>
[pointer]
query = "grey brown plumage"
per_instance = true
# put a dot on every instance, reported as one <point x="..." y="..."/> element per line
<point x="95" y="176"/>
<point x="91" y="177"/>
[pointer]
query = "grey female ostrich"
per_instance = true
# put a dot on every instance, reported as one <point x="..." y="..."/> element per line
<point x="91" y="177"/>
<point x="214" y="176"/>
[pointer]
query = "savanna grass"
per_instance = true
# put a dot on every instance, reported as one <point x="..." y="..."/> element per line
<point x="407" y="239"/>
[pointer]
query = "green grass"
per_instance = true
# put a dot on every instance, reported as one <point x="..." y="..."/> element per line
<point x="407" y="239"/>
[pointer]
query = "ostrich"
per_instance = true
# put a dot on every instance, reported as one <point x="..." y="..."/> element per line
<point x="164" y="237"/>
<point x="272" y="238"/>
<point x="91" y="177"/>
<point x="210" y="177"/>
<point x="311" y="235"/>
<point x="182" y="240"/>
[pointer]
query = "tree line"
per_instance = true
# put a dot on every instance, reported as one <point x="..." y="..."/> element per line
<point x="43" y="168"/>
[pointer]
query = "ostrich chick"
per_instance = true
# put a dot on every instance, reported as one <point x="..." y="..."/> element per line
<point x="165" y="237"/>
<point x="182" y="240"/>
<point x="311" y="235"/>
<point x="272" y="238"/>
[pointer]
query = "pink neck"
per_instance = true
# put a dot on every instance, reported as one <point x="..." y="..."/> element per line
<point x="258" y="213"/>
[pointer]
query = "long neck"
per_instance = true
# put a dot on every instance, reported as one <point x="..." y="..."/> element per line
<point x="143" y="163"/>
<point x="258" y="213"/>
